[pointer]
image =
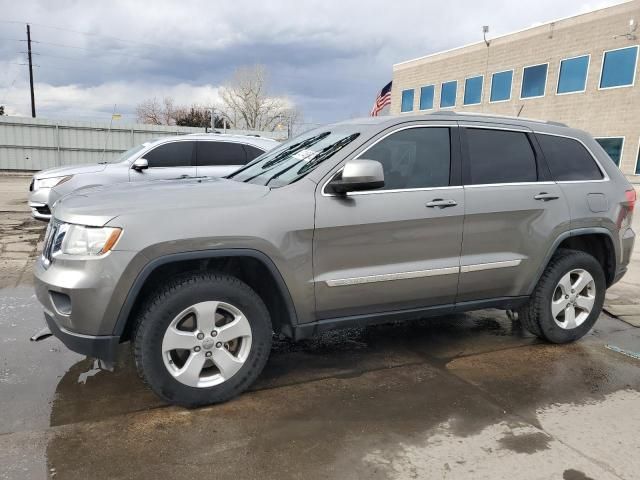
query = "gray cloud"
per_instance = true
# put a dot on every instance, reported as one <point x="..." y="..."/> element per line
<point x="329" y="57"/>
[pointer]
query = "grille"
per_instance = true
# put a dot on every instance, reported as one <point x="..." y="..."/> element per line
<point x="50" y="236"/>
<point x="44" y="210"/>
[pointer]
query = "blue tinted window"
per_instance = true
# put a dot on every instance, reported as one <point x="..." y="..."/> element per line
<point x="448" y="94"/>
<point x="407" y="100"/>
<point x="619" y="67"/>
<point x="501" y="86"/>
<point x="573" y="74"/>
<point x="613" y="147"/>
<point x="426" y="97"/>
<point x="534" y="80"/>
<point x="473" y="90"/>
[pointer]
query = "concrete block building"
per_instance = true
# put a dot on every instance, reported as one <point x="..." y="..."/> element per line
<point x="579" y="70"/>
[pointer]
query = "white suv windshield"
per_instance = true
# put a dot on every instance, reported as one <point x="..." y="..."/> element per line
<point x="125" y="156"/>
<point x="294" y="159"/>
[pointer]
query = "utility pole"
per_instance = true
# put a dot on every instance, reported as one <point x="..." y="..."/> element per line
<point x="33" y="100"/>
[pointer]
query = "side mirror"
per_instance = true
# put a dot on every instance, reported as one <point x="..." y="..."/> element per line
<point x="140" y="164"/>
<point x="358" y="175"/>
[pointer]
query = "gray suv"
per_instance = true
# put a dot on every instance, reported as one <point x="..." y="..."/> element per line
<point x="366" y="221"/>
<point x="194" y="155"/>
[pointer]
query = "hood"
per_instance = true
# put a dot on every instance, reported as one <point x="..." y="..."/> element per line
<point x="96" y="206"/>
<point x="70" y="170"/>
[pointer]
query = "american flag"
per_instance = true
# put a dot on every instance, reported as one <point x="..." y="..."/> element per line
<point x="383" y="99"/>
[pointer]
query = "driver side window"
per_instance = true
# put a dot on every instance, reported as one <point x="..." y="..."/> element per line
<point x="414" y="158"/>
<point x="173" y="154"/>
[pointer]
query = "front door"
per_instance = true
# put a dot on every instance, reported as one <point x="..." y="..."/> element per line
<point x="174" y="159"/>
<point x="397" y="247"/>
<point x="514" y="213"/>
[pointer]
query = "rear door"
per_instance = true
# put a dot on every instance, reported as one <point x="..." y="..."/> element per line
<point x="514" y="212"/>
<point x="397" y="247"/>
<point x="217" y="158"/>
<point x="175" y="159"/>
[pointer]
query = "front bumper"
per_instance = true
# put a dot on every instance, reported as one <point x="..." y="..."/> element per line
<point x="102" y="346"/>
<point x="40" y="211"/>
<point x="78" y="299"/>
<point x="40" y="204"/>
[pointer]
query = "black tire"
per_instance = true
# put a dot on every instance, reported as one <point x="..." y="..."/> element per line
<point x="536" y="315"/>
<point x="174" y="297"/>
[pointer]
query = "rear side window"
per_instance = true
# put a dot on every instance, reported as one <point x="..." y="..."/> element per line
<point x="500" y="156"/>
<point x="414" y="158"/>
<point x="220" y="153"/>
<point x="252" y="152"/>
<point x="174" y="154"/>
<point x="568" y="159"/>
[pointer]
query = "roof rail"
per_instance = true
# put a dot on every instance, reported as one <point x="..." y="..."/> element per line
<point x="491" y="115"/>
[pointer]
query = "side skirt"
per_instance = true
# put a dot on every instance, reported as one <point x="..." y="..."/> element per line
<point x="354" y="321"/>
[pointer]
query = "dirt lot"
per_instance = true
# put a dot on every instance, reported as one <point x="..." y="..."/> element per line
<point x="464" y="396"/>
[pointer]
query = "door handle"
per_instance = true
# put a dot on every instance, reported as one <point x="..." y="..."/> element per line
<point x="545" y="197"/>
<point x="185" y="176"/>
<point x="441" y="203"/>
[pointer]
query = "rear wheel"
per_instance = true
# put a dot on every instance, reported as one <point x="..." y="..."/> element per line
<point x="568" y="298"/>
<point x="202" y="339"/>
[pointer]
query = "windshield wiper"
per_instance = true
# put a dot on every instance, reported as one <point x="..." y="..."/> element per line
<point x="325" y="153"/>
<point x="287" y="153"/>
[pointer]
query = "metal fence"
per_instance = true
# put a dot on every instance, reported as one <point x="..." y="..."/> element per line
<point x="37" y="144"/>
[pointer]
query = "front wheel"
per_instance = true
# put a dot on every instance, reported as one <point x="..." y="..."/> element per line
<point x="568" y="298"/>
<point x="202" y="339"/>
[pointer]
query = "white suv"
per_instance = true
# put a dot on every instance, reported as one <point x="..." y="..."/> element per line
<point x="196" y="155"/>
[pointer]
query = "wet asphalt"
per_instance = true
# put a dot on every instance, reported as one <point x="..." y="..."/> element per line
<point x="463" y="396"/>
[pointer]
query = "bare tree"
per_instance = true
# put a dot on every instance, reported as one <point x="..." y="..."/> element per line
<point x="154" y="112"/>
<point x="246" y="102"/>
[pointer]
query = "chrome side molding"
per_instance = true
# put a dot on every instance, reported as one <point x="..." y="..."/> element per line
<point x="387" y="277"/>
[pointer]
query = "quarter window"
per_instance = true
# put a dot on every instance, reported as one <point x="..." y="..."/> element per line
<point x="568" y="159"/>
<point x="499" y="156"/>
<point x="619" y="67"/>
<point x="473" y="90"/>
<point x="501" y="86"/>
<point x="174" y="154"/>
<point x="573" y="74"/>
<point x="426" y="97"/>
<point x="613" y="147"/>
<point x="448" y="94"/>
<point x="220" y="153"/>
<point x="407" y="100"/>
<point x="534" y="79"/>
<point x="414" y="158"/>
<point x="252" y="152"/>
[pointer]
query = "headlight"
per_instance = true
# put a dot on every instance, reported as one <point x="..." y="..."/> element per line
<point x="50" y="182"/>
<point x="80" y="240"/>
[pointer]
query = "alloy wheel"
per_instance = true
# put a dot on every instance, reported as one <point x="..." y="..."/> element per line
<point x="573" y="299"/>
<point x="206" y="344"/>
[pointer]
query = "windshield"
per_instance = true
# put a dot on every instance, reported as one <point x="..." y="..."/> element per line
<point x="124" y="156"/>
<point x="295" y="158"/>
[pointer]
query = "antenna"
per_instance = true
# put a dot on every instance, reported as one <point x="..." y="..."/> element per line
<point x="485" y="30"/>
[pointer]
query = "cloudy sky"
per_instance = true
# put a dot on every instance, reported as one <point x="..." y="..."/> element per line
<point x="329" y="57"/>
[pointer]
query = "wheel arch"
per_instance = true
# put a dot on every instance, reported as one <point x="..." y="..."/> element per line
<point x="251" y="266"/>
<point x="597" y="241"/>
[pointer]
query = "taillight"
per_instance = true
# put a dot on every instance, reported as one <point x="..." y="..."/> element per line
<point x="631" y="199"/>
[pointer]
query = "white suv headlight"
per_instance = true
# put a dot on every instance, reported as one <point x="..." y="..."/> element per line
<point x="50" y="182"/>
<point x="72" y="239"/>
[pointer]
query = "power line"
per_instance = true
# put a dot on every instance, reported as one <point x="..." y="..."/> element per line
<point x="93" y="34"/>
